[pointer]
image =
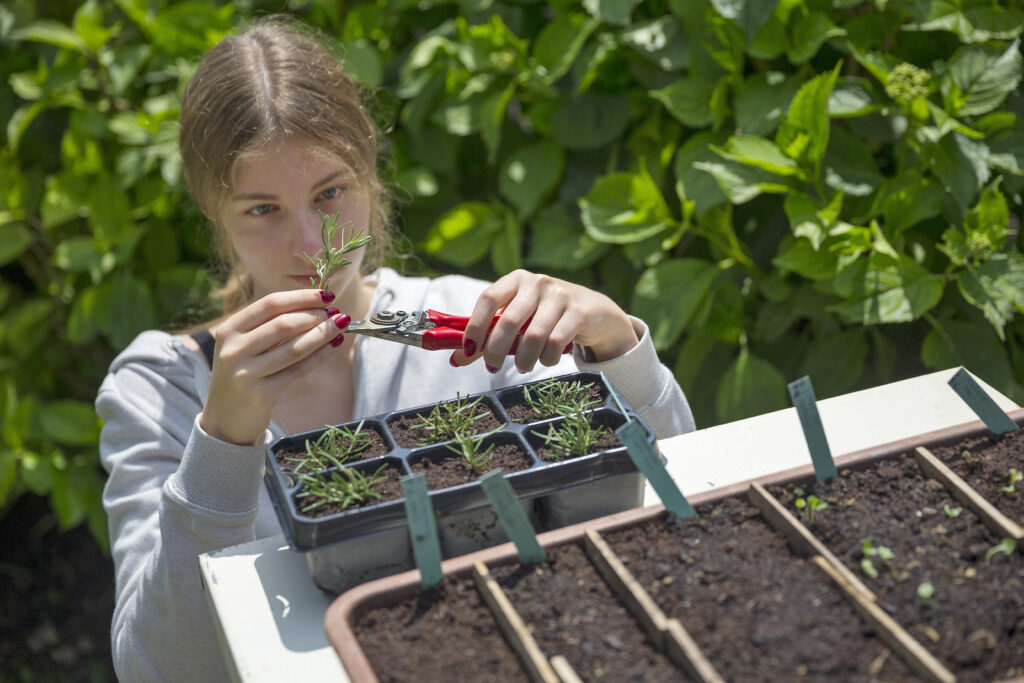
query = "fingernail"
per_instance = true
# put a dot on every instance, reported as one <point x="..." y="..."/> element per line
<point x="327" y="297"/>
<point x="490" y="369"/>
<point x="343" y="320"/>
<point x="336" y="342"/>
<point x="331" y="311"/>
<point x="451" y="361"/>
<point x="468" y="347"/>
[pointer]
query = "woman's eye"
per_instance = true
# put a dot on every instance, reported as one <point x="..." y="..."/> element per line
<point x="261" y="210"/>
<point x="332" y="193"/>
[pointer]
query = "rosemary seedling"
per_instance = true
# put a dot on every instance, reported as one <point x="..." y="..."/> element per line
<point x="333" y="448"/>
<point x="347" y="487"/>
<point x="951" y="512"/>
<point x="331" y="259"/>
<point x="1015" y="476"/>
<point x="881" y="552"/>
<point x="468" y="447"/>
<point x="1005" y="547"/>
<point x="925" y="590"/>
<point x="556" y="397"/>
<point x="809" y="505"/>
<point x="573" y="437"/>
<point x="448" y="420"/>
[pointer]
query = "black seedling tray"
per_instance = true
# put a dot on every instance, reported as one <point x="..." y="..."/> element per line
<point x="305" y="532"/>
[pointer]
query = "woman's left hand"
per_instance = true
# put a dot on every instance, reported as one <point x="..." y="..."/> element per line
<point x="554" y="313"/>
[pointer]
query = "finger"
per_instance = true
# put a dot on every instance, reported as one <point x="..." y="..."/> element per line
<point x="517" y="317"/>
<point x="281" y="379"/>
<point x="275" y="304"/>
<point x="296" y="349"/>
<point x="561" y="336"/>
<point x="534" y="340"/>
<point x="490" y="301"/>
<point x="272" y="333"/>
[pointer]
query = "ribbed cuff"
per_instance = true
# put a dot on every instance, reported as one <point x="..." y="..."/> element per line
<point x="218" y="476"/>
<point x="636" y="373"/>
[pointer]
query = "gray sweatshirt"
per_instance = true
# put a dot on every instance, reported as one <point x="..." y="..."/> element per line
<point x="175" y="492"/>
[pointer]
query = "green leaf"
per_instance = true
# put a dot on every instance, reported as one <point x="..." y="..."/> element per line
<point x="667" y="295"/>
<point x="78" y="255"/>
<point x="692" y="183"/>
<point x="759" y="152"/>
<point x="491" y="116"/>
<point x="506" y="249"/>
<point x="799" y="256"/>
<point x="852" y="97"/>
<point x="52" y="33"/>
<point x="618" y="12"/>
<point x="71" y="491"/>
<point x="660" y="40"/>
<point x="559" y="43"/>
<point x="883" y="289"/>
<point x="906" y="200"/>
<point x="687" y="99"/>
<point x="750" y="15"/>
<point x="624" y="207"/>
<point x="762" y="99"/>
<point x="996" y="287"/>
<point x="836" y="362"/>
<point x="125" y="309"/>
<point x="809" y="33"/>
<point x="590" y="121"/>
<point x="976" y="24"/>
<point x="463" y="235"/>
<point x="741" y="182"/>
<point x="803" y="134"/>
<point x="110" y="213"/>
<point x="8" y="474"/>
<point x="73" y="423"/>
<point x="36" y="473"/>
<point x="962" y="165"/>
<point x="751" y="386"/>
<point x="848" y="164"/>
<point x="558" y="241"/>
<point x="15" y="238"/>
<point x="984" y="76"/>
<point x="363" y="62"/>
<point x="809" y="219"/>
<point x="529" y="174"/>
<point x="952" y="343"/>
<point x="82" y="322"/>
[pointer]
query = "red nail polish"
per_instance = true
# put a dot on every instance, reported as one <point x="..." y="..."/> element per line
<point x="331" y="311"/>
<point x="343" y="320"/>
<point x="468" y="347"/>
<point x="327" y="297"/>
<point x="451" y="361"/>
<point x="336" y="342"/>
<point x="490" y="369"/>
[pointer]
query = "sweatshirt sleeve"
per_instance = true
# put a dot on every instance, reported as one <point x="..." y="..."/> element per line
<point x="173" y="493"/>
<point x="645" y="383"/>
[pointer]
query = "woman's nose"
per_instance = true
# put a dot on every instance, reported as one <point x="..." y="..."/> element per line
<point x="309" y="232"/>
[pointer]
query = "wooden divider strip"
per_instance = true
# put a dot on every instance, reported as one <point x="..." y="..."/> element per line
<point x="626" y="587"/>
<point x="890" y="631"/>
<point x="684" y="652"/>
<point x="800" y="539"/>
<point x="564" y="669"/>
<point x="995" y="520"/>
<point x="511" y="624"/>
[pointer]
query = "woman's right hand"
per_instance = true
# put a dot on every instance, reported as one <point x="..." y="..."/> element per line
<point x="261" y="350"/>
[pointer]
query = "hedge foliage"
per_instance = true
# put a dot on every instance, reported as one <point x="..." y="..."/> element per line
<point x="779" y="187"/>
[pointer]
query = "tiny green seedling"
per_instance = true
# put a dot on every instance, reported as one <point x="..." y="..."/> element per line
<point x="809" y="505"/>
<point x="347" y="487"/>
<point x="870" y="550"/>
<point x="468" y="447"/>
<point x="448" y="420"/>
<point x="332" y="259"/>
<point x="1015" y="476"/>
<point x="573" y="437"/>
<point x="333" y="448"/>
<point x="1005" y="547"/>
<point x="925" y="590"/>
<point x="966" y="455"/>
<point x="556" y="397"/>
<point x="951" y="512"/>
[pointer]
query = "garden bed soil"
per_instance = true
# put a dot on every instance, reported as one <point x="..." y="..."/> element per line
<point x="606" y="441"/>
<point x="757" y="611"/>
<point x="572" y="612"/>
<point x="442" y="634"/>
<point x="390" y="489"/>
<point x="409" y="431"/>
<point x="451" y="469"/>
<point x="288" y="456"/>
<point x="974" y="621"/>
<point x="520" y="411"/>
<point x="987" y="468"/>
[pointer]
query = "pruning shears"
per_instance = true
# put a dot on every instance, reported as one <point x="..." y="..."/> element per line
<point x="427" y="329"/>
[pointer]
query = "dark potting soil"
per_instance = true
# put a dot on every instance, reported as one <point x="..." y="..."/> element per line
<point x="974" y="621"/>
<point x="605" y="441"/>
<point x="986" y="467"/>
<point x="453" y="469"/>
<point x="409" y="430"/>
<point x="291" y="457"/>
<point x="443" y="634"/>
<point x="757" y="611"/>
<point x="520" y="411"/>
<point x="390" y="489"/>
<point x="572" y="612"/>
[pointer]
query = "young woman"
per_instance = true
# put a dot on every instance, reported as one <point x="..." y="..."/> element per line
<point x="272" y="135"/>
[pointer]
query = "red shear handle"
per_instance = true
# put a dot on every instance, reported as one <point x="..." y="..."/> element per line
<point x="449" y="333"/>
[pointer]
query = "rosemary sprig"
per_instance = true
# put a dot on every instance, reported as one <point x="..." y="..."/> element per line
<point x="448" y="420"/>
<point x="557" y="397"/>
<point x="573" y="437"/>
<point x="333" y="448"/>
<point x="331" y="259"/>
<point x="347" y="487"/>
<point x="468" y="447"/>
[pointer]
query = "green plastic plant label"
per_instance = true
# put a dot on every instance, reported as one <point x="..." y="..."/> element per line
<point x="646" y="459"/>
<point x="513" y="519"/>
<point x="426" y="548"/>
<point x="802" y="394"/>
<point x="981" y="403"/>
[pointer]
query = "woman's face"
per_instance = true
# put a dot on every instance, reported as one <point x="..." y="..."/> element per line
<point x="272" y="216"/>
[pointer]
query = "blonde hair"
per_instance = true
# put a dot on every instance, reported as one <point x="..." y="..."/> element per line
<point x="274" y="82"/>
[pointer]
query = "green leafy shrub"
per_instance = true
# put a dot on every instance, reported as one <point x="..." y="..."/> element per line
<point x="779" y="187"/>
